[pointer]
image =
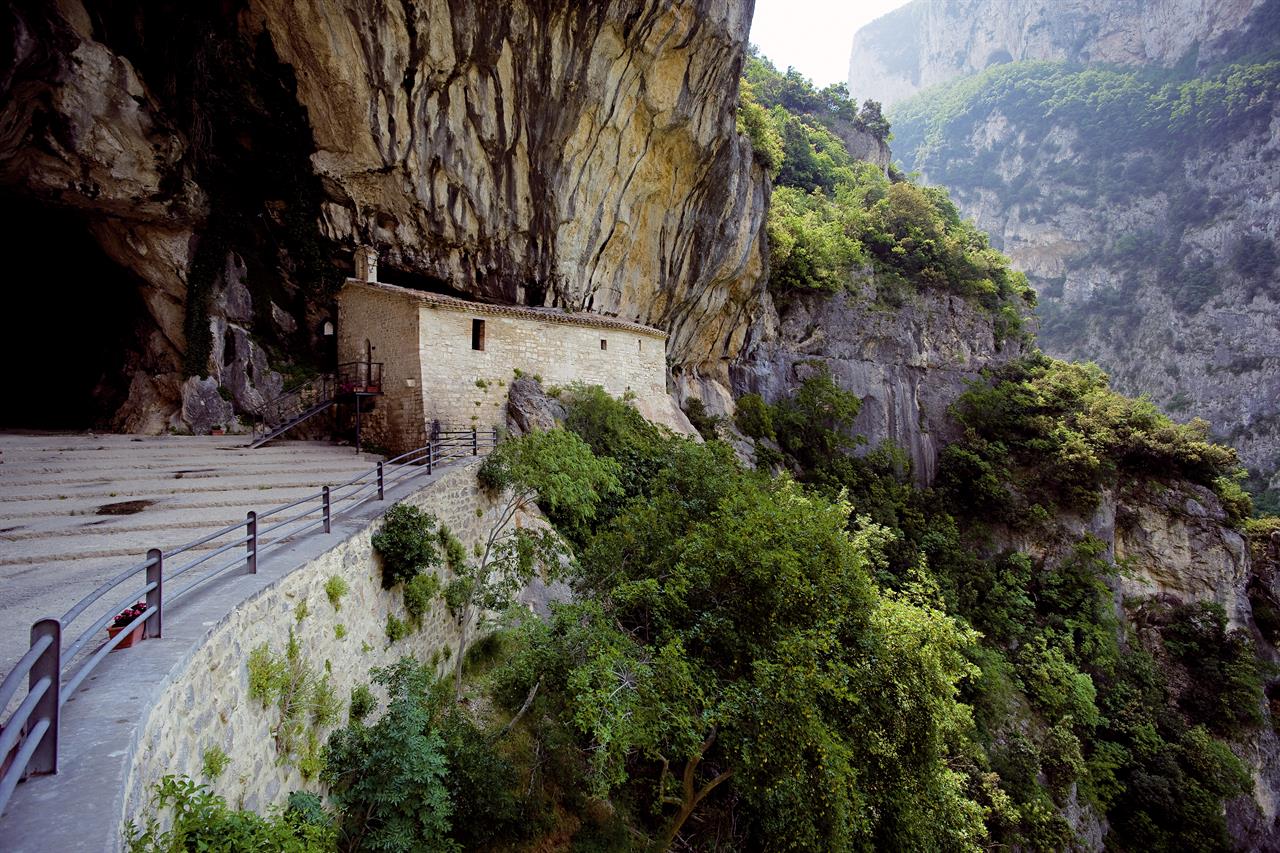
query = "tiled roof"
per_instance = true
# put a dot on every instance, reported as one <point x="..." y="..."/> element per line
<point x="548" y="315"/>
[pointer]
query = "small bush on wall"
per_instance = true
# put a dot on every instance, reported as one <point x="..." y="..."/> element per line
<point x="407" y="544"/>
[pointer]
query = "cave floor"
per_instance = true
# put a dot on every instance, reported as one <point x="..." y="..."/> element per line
<point x="76" y="509"/>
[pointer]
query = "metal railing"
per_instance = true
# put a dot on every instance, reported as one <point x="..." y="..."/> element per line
<point x="352" y="377"/>
<point x="29" y="735"/>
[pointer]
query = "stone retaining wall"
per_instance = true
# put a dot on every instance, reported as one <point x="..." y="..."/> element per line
<point x="208" y="705"/>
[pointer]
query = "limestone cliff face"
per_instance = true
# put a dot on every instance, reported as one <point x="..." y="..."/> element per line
<point x="576" y="155"/>
<point x="908" y="364"/>
<point x="1105" y="293"/>
<point x="928" y="42"/>
<point x="581" y="153"/>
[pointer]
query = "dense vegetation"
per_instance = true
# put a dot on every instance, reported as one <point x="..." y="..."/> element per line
<point x="1130" y="717"/>
<point x="814" y="661"/>
<point x="1057" y="433"/>
<point x="833" y="217"/>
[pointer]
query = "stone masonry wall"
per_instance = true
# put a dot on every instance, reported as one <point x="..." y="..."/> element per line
<point x="432" y="372"/>
<point x="464" y="386"/>
<point x="209" y="706"/>
<point x="381" y="319"/>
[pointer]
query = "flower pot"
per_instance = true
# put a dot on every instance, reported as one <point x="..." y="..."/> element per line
<point x="135" y="637"/>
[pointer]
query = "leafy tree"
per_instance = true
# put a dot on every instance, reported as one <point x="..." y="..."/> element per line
<point x="728" y="634"/>
<point x="872" y="118"/>
<point x="388" y="780"/>
<point x="817" y="422"/>
<point x="555" y="469"/>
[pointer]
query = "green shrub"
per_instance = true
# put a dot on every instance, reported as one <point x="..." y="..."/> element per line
<point x="1056" y="686"/>
<point x="201" y="820"/>
<point x="304" y="698"/>
<point x="397" y="629"/>
<point x="388" y="780"/>
<point x="407" y="543"/>
<point x="816" y="423"/>
<point x="363" y="702"/>
<point x="754" y="417"/>
<point x="1060" y="756"/>
<point x="704" y="422"/>
<point x="1224" y="691"/>
<point x="214" y="761"/>
<point x="336" y="587"/>
<point x="482" y="786"/>
<point x="419" y="594"/>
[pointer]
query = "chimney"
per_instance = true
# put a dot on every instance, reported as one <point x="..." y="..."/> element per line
<point x="366" y="263"/>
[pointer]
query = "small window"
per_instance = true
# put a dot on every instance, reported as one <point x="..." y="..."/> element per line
<point x="639" y="345"/>
<point x="604" y="344"/>
<point x="477" y="334"/>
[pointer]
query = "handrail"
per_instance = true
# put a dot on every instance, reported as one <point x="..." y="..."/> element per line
<point x="352" y="377"/>
<point x="29" y="735"/>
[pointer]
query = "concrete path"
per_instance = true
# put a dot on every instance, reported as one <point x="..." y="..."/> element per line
<point x="77" y="509"/>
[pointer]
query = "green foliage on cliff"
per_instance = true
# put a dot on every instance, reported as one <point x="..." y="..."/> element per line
<point x="1056" y="433"/>
<point x="831" y="107"/>
<point x="1115" y="109"/>
<point x="1068" y="699"/>
<point x="832" y="217"/>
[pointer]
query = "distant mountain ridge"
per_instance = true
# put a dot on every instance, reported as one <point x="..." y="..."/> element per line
<point x="928" y="42"/>
<point x="1142" y="198"/>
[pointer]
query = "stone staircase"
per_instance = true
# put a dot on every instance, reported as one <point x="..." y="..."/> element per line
<point x="76" y="509"/>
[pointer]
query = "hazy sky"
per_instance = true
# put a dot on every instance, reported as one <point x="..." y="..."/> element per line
<point x="814" y="36"/>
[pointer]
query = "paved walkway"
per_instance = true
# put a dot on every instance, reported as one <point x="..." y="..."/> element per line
<point x="77" y="509"/>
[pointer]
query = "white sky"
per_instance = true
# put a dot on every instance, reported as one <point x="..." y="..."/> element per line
<point x="814" y="36"/>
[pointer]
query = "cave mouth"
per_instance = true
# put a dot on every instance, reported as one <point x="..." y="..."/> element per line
<point x="70" y="321"/>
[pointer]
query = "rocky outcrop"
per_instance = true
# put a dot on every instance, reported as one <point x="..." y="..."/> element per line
<point x="572" y="155"/>
<point x="1171" y="541"/>
<point x="529" y="408"/>
<point x="928" y="42"/>
<point x="907" y="363"/>
<point x="1172" y="544"/>
<point x="863" y="145"/>
<point x="1175" y="543"/>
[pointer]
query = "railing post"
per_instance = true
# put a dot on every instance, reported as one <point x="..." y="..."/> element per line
<point x="430" y="453"/>
<point x="48" y="665"/>
<point x="251" y="530"/>
<point x="381" y="483"/>
<point x="495" y="437"/>
<point x="324" y="496"/>
<point x="154" y="626"/>
<point x="475" y="442"/>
